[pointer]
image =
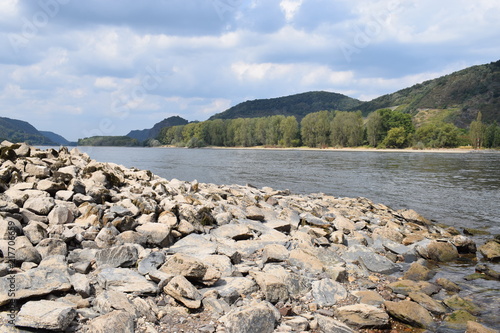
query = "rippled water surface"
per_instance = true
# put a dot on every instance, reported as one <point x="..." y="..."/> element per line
<point x="460" y="189"/>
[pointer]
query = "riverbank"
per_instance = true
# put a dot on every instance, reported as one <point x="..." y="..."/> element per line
<point x="102" y="247"/>
<point x="461" y="150"/>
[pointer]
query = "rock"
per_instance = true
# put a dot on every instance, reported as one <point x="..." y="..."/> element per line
<point x="330" y="325"/>
<point x="327" y="292"/>
<point x="369" y="297"/>
<point x="119" y="256"/>
<point x="107" y="237"/>
<point x="427" y="302"/>
<point x="115" y="321"/>
<point x="49" y="186"/>
<point x="194" y="244"/>
<point x="35" y="231"/>
<point x="458" y="319"/>
<point x="458" y="303"/>
<point x="183" y="291"/>
<point x="191" y="268"/>
<point x="464" y="244"/>
<point x="125" y="280"/>
<point x="151" y="262"/>
<point x="297" y="324"/>
<point x="60" y="215"/>
<point x="40" y="206"/>
<point x="38" y="171"/>
<point x="370" y="260"/>
<point x="233" y="231"/>
<point x="438" y="251"/>
<point x="448" y="285"/>
<point x="25" y="251"/>
<point x="363" y="316"/>
<point x="51" y="246"/>
<point x="417" y="272"/>
<point x="274" y="288"/>
<point x="306" y="261"/>
<point x="111" y="300"/>
<point x="413" y="216"/>
<point x="488" y="271"/>
<point x="341" y="223"/>
<point x="254" y="318"/>
<point x="255" y="213"/>
<point x="410" y="313"/>
<point x="490" y="251"/>
<point x="404" y="287"/>
<point x="230" y="289"/>
<point x="48" y="315"/>
<point x="473" y="327"/>
<point x="81" y="284"/>
<point x="157" y="234"/>
<point x="274" y="253"/>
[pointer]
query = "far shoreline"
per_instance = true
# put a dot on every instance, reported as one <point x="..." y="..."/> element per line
<point x="355" y="149"/>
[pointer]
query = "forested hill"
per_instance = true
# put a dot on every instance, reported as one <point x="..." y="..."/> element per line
<point x="21" y="131"/>
<point x="150" y="133"/>
<point x="295" y="105"/>
<point x="466" y="92"/>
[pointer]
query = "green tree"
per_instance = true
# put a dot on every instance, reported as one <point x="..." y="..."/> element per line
<point x="438" y="135"/>
<point x="396" y="138"/>
<point x="347" y="129"/>
<point x="477" y="131"/>
<point x="374" y="129"/>
<point x="290" y="132"/>
<point x="492" y="136"/>
<point x="315" y="129"/>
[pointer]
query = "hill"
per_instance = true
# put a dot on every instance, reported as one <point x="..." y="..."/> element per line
<point x="298" y="105"/>
<point x="152" y="133"/>
<point x="57" y="138"/>
<point x="21" y="131"/>
<point x="112" y="141"/>
<point x="460" y="95"/>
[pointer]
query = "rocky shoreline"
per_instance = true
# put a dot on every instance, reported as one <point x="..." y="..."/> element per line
<point x="96" y="247"/>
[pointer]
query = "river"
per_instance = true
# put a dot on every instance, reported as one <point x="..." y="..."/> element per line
<point x="460" y="189"/>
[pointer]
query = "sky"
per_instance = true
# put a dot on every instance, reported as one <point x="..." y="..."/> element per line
<point x="105" y="67"/>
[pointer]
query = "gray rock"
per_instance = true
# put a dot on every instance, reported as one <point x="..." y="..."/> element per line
<point x="60" y="215"/>
<point x="273" y="287"/>
<point x="111" y="300"/>
<point x="418" y="272"/>
<point x="194" y="244"/>
<point x="81" y="284"/>
<point x="107" y="237"/>
<point x="41" y="206"/>
<point x="232" y="288"/>
<point x="369" y="297"/>
<point x="191" y="268"/>
<point x="254" y="318"/>
<point x="330" y="325"/>
<point x="125" y="280"/>
<point x="151" y="262"/>
<point x="183" y="291"/>
<point x="38" y="171"/>
<point x="234" y="231"/>
<point x="363" y="316"/>
<point x="370" y="260"/>
<point x="118" y="256"/>
<point x="274" y="253"/>
<point x="36" y="232"/>
<point x="49" y="315"/>
<point x="327" y="292"/>
<point x="157" y="234"/>
<point x="51" y="246"/>
<point x="115" y="321"/>
<point x="464" y="244"/>
<point x="428" y="302"/>
<point x="51" y="275"/>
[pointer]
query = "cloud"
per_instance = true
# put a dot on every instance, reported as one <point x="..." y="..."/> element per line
<point x="88" y="67"/>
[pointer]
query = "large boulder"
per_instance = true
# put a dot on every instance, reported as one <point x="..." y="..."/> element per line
<point x="191" y="268"/>
<point x="491" y="250"/>
<point x="437" y="251"/>
<point x="363" y="316"/>
<point x="253" y="318"/>
<point x="45" y="315"/>
<point x="410" y="313"/>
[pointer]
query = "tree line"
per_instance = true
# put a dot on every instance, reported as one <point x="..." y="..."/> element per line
<point x="385" y="128"/>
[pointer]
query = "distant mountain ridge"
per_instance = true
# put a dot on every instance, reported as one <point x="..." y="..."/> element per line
<point x="21" y="131"/>
<point x="469" y="91"/>
<point x="298" y="105"/>
<point x="152" y="133"/>
<point x="57" y="138"/>
<point x="465" y="92"/>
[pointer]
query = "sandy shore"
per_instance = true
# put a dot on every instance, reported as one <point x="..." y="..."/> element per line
<point x="365" y="149"/>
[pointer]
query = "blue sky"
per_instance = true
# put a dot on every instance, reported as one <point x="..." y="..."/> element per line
<point x="83" y="68"/>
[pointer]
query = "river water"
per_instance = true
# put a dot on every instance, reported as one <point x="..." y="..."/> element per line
<point x="457" y="189"/>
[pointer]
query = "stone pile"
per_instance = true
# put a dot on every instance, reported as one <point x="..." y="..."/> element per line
<point x="97" y="247"/>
